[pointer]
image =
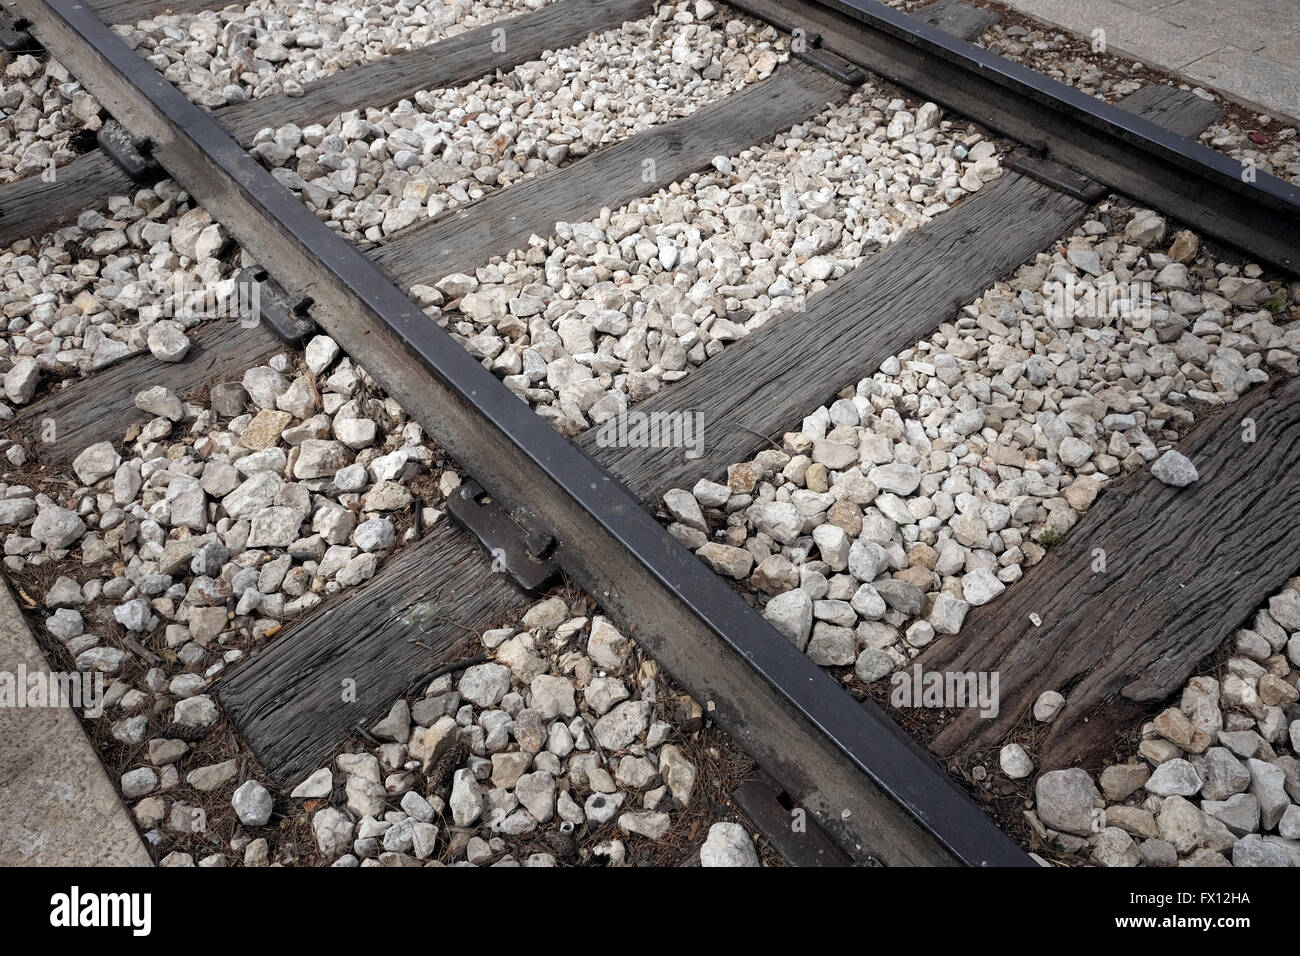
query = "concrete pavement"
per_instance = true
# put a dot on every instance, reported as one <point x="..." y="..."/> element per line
<point x="57" y="805"/>
<point x="1247" y="49"/>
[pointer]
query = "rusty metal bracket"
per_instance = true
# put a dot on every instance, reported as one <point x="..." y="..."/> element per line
<point x="843" y="70"/>
<point x="14" y="38"/>
<point x="523" y="555"/>
<point x="1035" y="166"/>
<point x="132" y="157"/>
<point x="287" y="316"/>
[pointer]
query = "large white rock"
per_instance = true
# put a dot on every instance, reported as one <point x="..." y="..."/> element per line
<point x="95" y="462"/>
<point x="466" y="798"/>
<point x="253" y="804"/>
<point x="1015" y="762"/>
<point x="167" y="341"/>
<point x="333" y="829"/>
<point x="21" y="380"/>
<point x="1175" y="469"/>
<point x="57" y="527"/>
<point x="622" y="725"/>
<point x="484" y="684"/>
<point x="895" y="477"/>
<point x="791" y="613"/>
<point x="728" y="844"/>
<point x="981" y="586"/>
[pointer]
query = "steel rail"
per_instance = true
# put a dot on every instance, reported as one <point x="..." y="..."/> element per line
<point x="862" y="778"/>
<point x="1188" y="181"/>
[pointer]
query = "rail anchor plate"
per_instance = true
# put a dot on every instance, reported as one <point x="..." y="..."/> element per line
<point x="524" y="556"/>
<point x="286" y="315"/>
<point x="15" y="38"/>
<point x="133" y="158"/>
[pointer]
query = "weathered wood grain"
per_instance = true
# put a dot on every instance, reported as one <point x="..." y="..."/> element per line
<point x="30" y="207"/>
<point x="1180" y="111"/>
<point x="609" y="177"/>
<point x="762" y="384"/>
<point x="1184" y="567"/>
<point x="100" y="406"/>
<point x="426" y="608"/>
<point x="959" y="19"/>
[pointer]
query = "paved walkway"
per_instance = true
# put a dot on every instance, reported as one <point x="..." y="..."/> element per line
<point x="1248" y="49"/>
<point x="57" y="805"/>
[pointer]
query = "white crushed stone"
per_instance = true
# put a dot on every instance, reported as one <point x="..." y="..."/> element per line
<point x="146" y="269"/>
<point x="607" y="312"/>
<point x="270" y="46"/>
<point x="932" y="485"/>
<point x="216" y="57"/>
<point x="1215" y="780"/>
<point x="373" y="172"/>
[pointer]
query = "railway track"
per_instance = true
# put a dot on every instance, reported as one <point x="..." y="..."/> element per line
<point x="551" y="494"/>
